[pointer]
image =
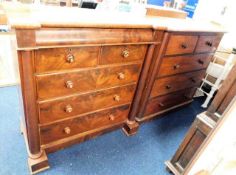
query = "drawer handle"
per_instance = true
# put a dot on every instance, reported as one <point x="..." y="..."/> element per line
<point x="193" y="80"/>
<point x="70" y="58"/>
<point x="111" y="117"/>
<point x="68" y="109"/>
<point x="200" y="62"/>
<point x="208" y="43"/>
<point x="116" y="97"/>
<point x="184" y="46"/>
<point x="69" y="84"/>
<point x="176" y="66"/>
<point x="67" y="130"/>
<point x="161" y="105"/>
<point x="125" y="53"/>
<point x="168" y="86"/>
<point x="121" y="76"/>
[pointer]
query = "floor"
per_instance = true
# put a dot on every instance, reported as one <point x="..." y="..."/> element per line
<point x="112" y="153"/>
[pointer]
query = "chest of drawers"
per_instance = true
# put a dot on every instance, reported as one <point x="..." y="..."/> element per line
<point x="179" y="68"/>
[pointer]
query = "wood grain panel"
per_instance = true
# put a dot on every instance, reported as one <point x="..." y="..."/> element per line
<point x="72" y="106"/>
<point x="208" y="43"/>
<point x="181" y="44"/>
<point x="56" y="59"/>
<point x="80" y="36"/>
<point x="178" y="82"/>
<point x="122" y="54"/>
<point x="167" y="101"/>
<point x="82" y="124"/>
<point x="56" y="85"/>
<point x="183" y="63"/>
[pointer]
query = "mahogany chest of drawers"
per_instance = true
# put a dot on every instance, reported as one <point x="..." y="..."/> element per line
<point x="79" y="81"/>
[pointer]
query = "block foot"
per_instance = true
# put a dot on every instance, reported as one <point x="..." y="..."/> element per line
<point x="39" y="164"/>
<point x="131" y="128"/>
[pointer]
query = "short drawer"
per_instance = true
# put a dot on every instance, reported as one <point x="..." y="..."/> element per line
<point x="208" y="43"/>
<point x="61" y="84"/>
<point x="122" y="54"/>
<point x="169" y="101"/>
<point x="56" y="59"/>
<point x="181" y="44"/>
<point x="178" y="82"/>
<point x="70" y="127"/>
<point x="183" y="63"/>
<point x="71" y="106"/>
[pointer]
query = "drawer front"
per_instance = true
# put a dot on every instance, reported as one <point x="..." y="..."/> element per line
<point x="70" y="127"/>
<point x="56" y="59"/>
<point x="122" y="54"/>
<point x="61" y="84"/>
<point x="167" y="85"/>
<point x="167" y="101"/>
<point x="184" y="63"/>
<point x="72" y="106"/>
<point x="181" y="44"/>
<point x="208" y="43"/>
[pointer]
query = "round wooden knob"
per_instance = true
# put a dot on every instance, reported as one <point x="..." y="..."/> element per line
<point x="208" y="43"/>
<point x="125" y="53"/>
<point x="68" y="109"/>
<point x="69" y="84"/>
<point x="168" y="86"/>
<point x="176" y="66"/>
<point x="121" y="76"/>
<point x="111" y="117"/>
<point x="193" y="80"/>
<point x="67" y="130"/>
<point x="117" y="98"/>
<point x="70" y="58"/>
<point x="184" y="46"/>
<point x="200" y="62"/>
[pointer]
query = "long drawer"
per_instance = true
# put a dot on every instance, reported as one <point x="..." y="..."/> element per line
<point x="70" y="127"/>
<point x="183" y="63"/>
<point x="178" y="82"/>
<point x="56" y="59"/>
<point x="165" y="102"/>
<point x="61" y="84"/>
<point x="71" y="106"/>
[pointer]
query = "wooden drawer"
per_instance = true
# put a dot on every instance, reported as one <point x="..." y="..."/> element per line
<point x="70" y="127"/>
<point x="208" y="43"/>
<point x="71" y="106"/>
<point x="183" y="63"/>
<point x="56" y="85"/>
<point x="167" y="85"/>
<point x="122" y="54"/>
<point x="55" y="59"/>
<point x="181" y="44"/>
<point x="167" y="101"/>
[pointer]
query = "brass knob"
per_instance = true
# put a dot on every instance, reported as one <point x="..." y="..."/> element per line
<point x="168" y="86"/>
<point x="69" y="84"/>
<point x="68" y="109"/>
<point x="200" y="62"/>
<point x="208" y="43"/>
<point x="116" y="97"/>
<point x="161" y="105"/>
<point x="184" y="46"/>
<point x="70" y="58"/>
<point x="67" y="130"/>
<point x="111" y="117"/>
<point x="121" y="76"/>
<point x="176" y="66"/>
<point x="125" y="53"/>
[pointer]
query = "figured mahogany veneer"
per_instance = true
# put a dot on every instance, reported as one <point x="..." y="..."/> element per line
<point x="67" y="83"/>
<point x="78" y="104"/>
<point x="81" y="124"/>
